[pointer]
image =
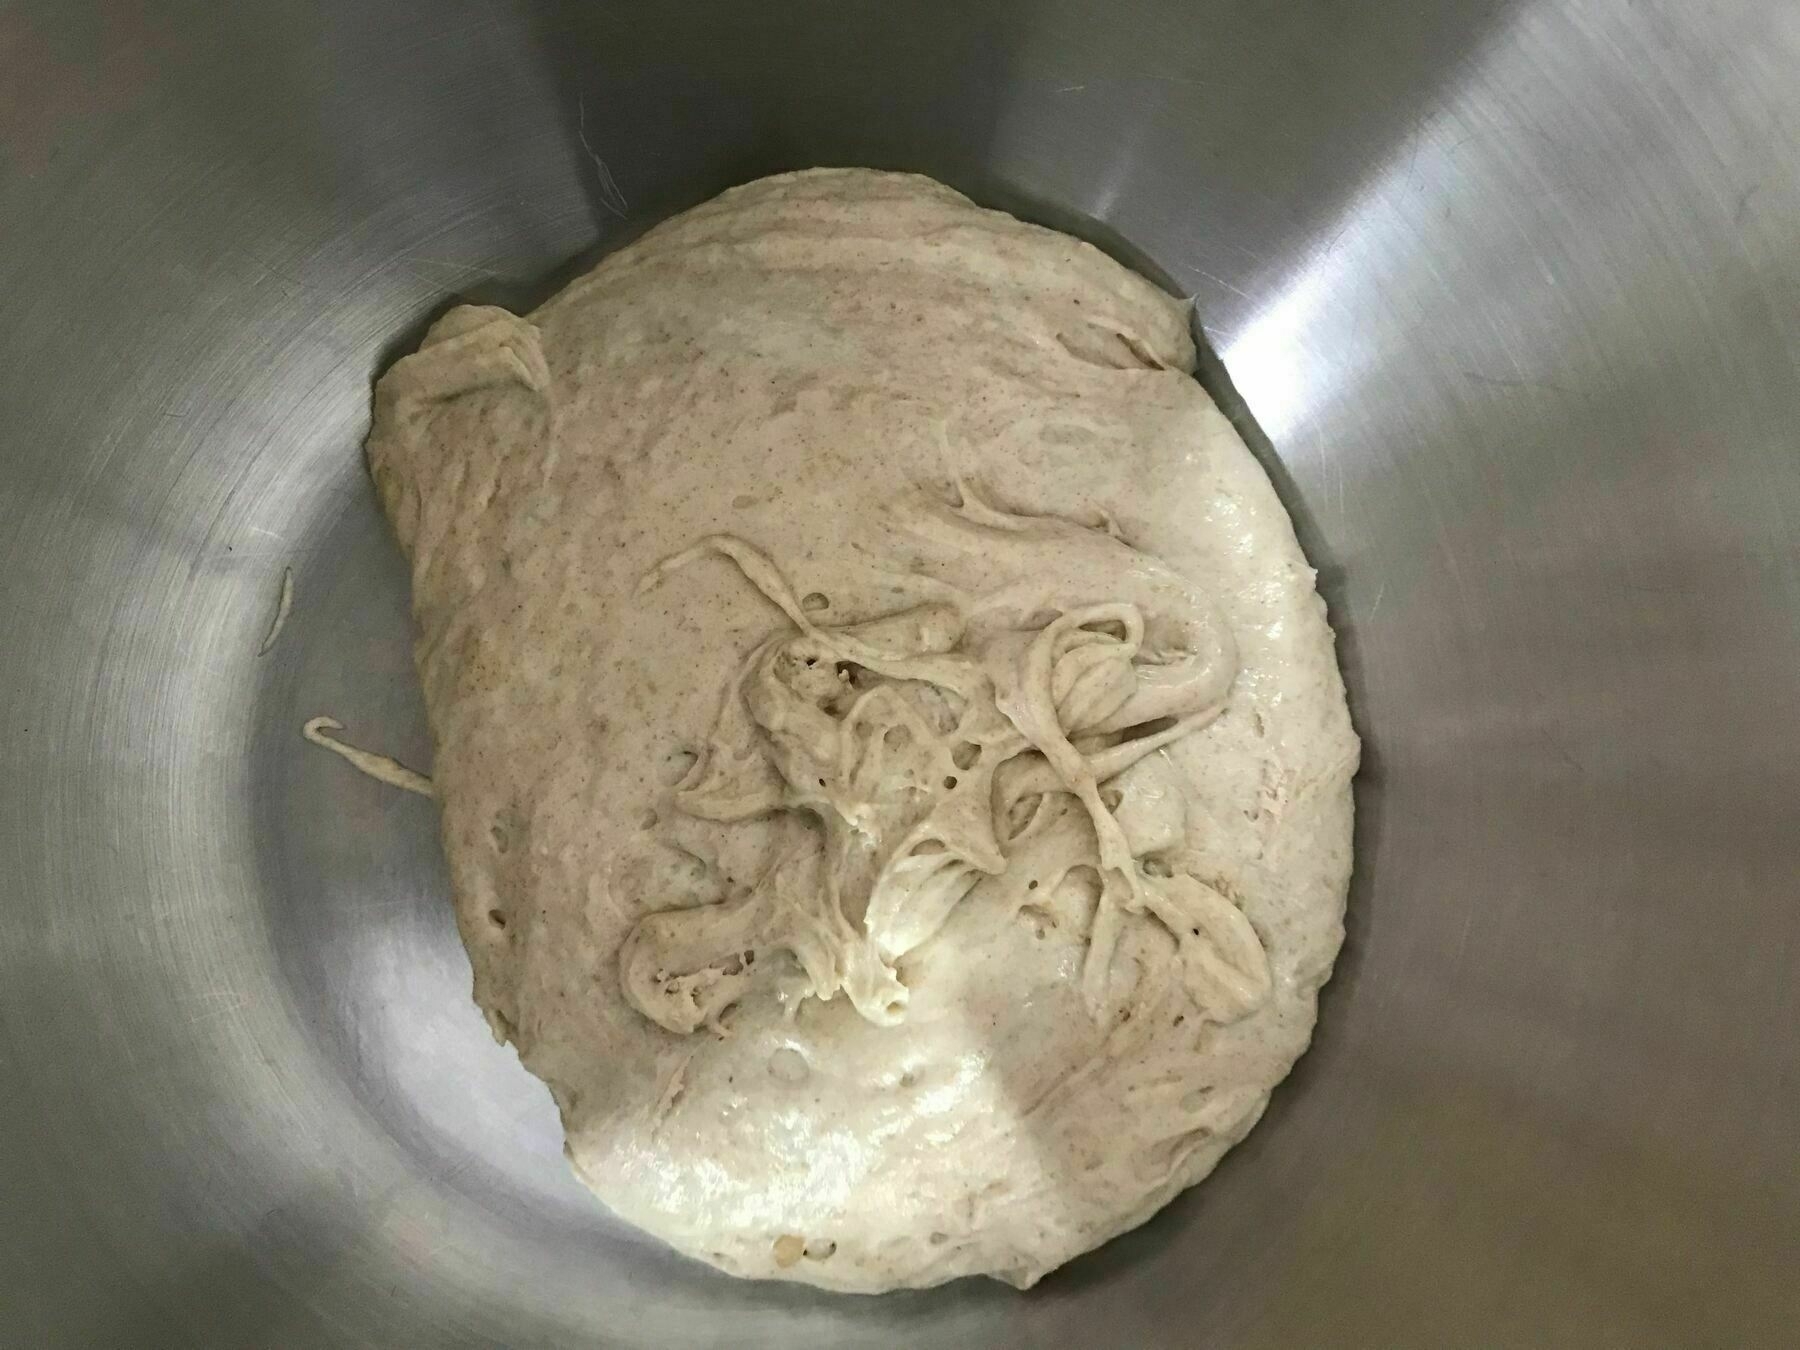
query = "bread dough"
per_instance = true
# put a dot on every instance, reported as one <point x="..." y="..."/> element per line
<point x="894" y="767"/>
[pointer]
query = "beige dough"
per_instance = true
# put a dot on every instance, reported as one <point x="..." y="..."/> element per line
<point x="894" y="767"/>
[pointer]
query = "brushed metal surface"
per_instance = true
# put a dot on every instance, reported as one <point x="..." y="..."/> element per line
<point x="1512" y="290"/>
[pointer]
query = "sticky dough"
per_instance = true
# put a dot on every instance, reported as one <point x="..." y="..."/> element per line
<point x="893" y="762"/>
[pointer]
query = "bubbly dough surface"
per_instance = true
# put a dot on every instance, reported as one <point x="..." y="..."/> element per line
<point x="894" y="766"/>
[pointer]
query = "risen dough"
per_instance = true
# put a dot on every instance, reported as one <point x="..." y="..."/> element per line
<point x="894" y="767"/>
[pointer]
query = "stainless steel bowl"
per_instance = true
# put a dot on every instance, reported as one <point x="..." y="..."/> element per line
<point x="1509" y="288"/>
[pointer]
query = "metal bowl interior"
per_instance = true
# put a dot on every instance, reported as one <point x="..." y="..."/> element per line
<point x="1509" y="290"/>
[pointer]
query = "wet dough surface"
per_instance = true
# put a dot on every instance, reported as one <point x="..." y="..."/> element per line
<point x="894" y="766"/>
